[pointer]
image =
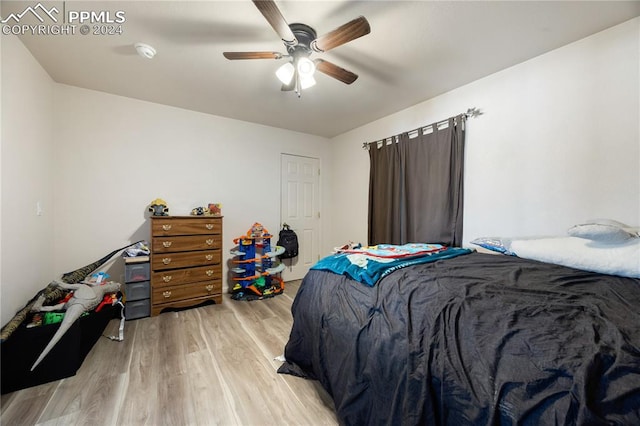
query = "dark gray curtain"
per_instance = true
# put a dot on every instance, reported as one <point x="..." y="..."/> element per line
<point x="415" y="186"/>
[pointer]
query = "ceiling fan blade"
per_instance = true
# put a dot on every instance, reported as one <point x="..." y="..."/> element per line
<point x="341" y="35"/>
<point x="335" y="71"/>
<point x="252" y="55"/>
<point x="272" y="14"/>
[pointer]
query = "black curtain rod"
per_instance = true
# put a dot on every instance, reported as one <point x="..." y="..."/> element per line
<point x="471" y="112"/>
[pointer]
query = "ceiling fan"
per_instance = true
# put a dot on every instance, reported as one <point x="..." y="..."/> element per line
<point x="301" y="41"/>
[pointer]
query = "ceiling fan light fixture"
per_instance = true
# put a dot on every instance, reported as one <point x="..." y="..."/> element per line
<point x="306" y="67"/>
<point x="285" y="73"/>
<point x="307" y="81"/>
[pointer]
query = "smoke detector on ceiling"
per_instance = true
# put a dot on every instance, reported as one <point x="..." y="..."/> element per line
<point x="145" y="50"/>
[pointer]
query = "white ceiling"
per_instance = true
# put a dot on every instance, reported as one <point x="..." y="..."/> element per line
<point x="416" y="50"/>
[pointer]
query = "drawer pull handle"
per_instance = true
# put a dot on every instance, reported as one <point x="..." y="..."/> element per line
<point x="166" y="227"/>
<point x="209" y="272"/>
<point x="166" y="278"/>
<point x="209" y="226"/>
<point x="166" y="244"/>
<point x="209" y="288"/>
<point x="166" y="260"/>
<point x="209" y="257"/>
<point x="209" y="241"/>
<point x="166" y="294"/>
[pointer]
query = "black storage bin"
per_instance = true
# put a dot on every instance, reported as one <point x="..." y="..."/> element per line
<point x="22" y="348"/>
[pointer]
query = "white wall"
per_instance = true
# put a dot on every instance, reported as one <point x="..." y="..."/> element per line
<point x="26" y="152"/>
<point x="94" y="161"/>
<point x="559" y="143"/>
<point x="114" y="155"/>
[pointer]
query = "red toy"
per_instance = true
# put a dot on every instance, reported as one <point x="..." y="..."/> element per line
<point x="109" y="299"/>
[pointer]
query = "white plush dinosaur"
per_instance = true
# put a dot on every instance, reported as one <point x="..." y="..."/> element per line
<point x="85" y="297"/>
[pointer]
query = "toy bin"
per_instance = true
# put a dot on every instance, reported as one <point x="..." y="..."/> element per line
<point x="137" y="309"/>
<point x="137" y="290"/>
<point x="136" y="272"/>
<point x="23" y="347"/>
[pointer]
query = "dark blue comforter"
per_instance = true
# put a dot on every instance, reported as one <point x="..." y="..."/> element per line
<point x="474" y="340"/>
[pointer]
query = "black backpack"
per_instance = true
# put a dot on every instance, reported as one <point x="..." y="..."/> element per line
<point x="289" y="240"/>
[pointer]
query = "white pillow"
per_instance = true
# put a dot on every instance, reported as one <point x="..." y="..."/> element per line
<point x="633" y="230"/>
<point x="611" y="222"/>
<point x="609" y="234"/>
<point x="621" y="259"/>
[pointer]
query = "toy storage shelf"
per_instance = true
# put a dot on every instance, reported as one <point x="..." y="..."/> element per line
<point x="257" y="271"/>
<point x="186" y="261"/>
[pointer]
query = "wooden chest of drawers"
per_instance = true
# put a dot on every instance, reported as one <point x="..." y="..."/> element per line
<point x="186" y="261"/>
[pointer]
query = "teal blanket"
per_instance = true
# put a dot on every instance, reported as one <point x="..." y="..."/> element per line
<point x="370" y="264"/>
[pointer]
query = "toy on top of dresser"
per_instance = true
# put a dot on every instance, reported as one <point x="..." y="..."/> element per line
<point x="158" y="207"/>
<point x="213" y="209"/>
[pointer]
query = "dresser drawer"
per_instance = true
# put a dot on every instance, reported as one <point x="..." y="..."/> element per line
<point x="163" y="261"/>
<point x="186" y="243"/>
<point x="186" y="226"/>
<point x="182" y="276"/>
<point x="186" y="291"/>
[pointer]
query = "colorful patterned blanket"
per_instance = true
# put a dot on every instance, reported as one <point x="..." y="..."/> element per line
<point x="368" y="265"/>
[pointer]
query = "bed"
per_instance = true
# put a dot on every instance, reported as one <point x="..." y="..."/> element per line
<point x="475" y="339"/>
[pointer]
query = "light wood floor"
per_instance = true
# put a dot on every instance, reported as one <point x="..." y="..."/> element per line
<point x="212" y="365"/>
